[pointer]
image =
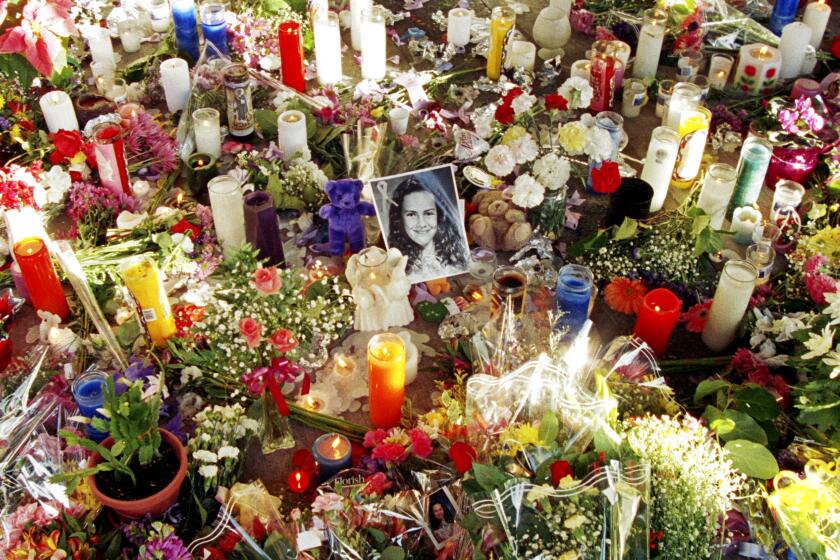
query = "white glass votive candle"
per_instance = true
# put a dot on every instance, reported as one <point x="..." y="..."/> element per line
<point x="58" y="111"/>
<point x="291" y="134"/>
<point x="581" y="69"/>
<point x="659" y="163"/>
<point x="719" y="69"/>
<point x="633" y="98"/>
<point x="99" y="43"/>
<point x="175" y="79"/>
<point x="327" y="47"/>
<point x="787" y="197"/>
<point x="717" y="188"/>
<point x="398" y="118"/>
<point x="521" y="54"/>
<point x="373" y="43"/>
<point x="762" y="257"/>
<point x="732" y="297"/>
<point x="663" y="98"/>
<point x="685" y="97"/>
<point x="159" y="15"/>
<point x="357" y="7"/>
<point x="650" y="43"/>
<point x="458" y="25"/>
<point x="688" y="66"/>
<point x="130" y="35"/>
<point x="207" y="131"/>
<point x="228" y="212"/>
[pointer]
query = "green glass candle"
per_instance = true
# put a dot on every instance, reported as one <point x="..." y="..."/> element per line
<point x="752" y="167"/>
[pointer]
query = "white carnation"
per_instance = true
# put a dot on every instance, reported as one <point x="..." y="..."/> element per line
<point x="527" y="192"/>
<point x="599" y="144"/>
<point x="228" y="452"/>
<point x="483" y="120"/>
<point x="500" y="161"/>
<point x="523" y="103"/>
<point x="552" y="171"/>
<point x="524" y="148"/>
<point x="208" y="471"/>
<point x="577" y="92"/>
<point x="205" y="456"/>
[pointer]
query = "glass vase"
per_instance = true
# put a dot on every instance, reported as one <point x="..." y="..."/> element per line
<point x="795" y="164"/>
<point x="275" y="432"/>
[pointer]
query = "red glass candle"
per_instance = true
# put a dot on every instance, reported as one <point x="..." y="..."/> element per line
<point x="110" y="157"/>
<point x="38" y="272"/>
<point x="657" y="317"/>
<point x="298" y="481"/>
<point x="601" y="78"/>
<point x="291" y="55"/>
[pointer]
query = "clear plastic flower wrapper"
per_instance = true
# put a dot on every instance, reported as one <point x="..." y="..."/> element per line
<point x="602" y="516"/>
<point x="727" y="27"/>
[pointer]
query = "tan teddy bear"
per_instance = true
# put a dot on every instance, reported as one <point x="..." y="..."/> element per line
<point x="498" y="224"/>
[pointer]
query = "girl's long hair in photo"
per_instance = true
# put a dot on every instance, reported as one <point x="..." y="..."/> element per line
<point x="448" y="514"/>
<point x="448" y="239"/>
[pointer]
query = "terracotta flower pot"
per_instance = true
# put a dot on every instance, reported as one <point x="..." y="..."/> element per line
<point x="155" y="504"/>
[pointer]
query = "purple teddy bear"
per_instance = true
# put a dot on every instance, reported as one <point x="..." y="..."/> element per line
<point x="345" y="213"/>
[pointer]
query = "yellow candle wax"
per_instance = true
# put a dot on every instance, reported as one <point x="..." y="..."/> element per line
<point x="386" y="379"/>
<point x="142" y="278"/>
<point x="693" y="132"/>
<point x="501" y="22"/>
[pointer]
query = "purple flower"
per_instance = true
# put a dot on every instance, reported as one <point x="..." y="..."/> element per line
<point x="788" y="121"/>
<point x="147" y="142"/>
<point x="4" y="124"/>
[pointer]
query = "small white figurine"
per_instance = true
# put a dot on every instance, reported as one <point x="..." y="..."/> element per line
<point x="380" y="289"/>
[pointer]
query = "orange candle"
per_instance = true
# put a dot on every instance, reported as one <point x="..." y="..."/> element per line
<point x="42" y="283"/>
<point x="386" y="379"/>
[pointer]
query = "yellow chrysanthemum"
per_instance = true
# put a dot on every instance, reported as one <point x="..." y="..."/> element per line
<point x="15" y="134"/>
<point x="2" y="102"/>
<point x="572" y="138"/>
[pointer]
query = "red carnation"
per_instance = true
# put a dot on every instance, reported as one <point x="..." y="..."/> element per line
<point x="511" y="95"/>
<point x="606" y="178"/>
<point x="462" y="455"/>
<point x="504" y="114"/>
<point x="556" y="101"/>
<point x="560" y="470"/>
<point x="186" y="228"/>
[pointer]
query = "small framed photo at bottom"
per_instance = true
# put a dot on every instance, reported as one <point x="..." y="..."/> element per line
<point x="443" y="515"/>
<point x="420" y="214"/>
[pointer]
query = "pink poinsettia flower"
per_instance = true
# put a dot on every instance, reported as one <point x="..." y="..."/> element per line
<point x="38" y="36"/>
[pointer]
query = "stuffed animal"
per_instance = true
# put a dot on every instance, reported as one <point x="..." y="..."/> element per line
<point x="344" y="213"/>
<point x="498" y="224"/>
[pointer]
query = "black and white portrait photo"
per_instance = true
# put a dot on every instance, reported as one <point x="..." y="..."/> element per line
<point x="420" y="214"/>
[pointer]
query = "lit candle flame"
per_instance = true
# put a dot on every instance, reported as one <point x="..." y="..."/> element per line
<point x="656" y="308"/>
<point x="297" y="477"/>
<point x="179" y="199"/>
<point x="341" y="362"/>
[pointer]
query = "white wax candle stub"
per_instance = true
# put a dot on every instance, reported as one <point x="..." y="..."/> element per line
<point x="458" y="26"/>
<point x="58" y="111"/>
<point x="175" y="78"/>
<point x="521" y="54"/>
<point x="398" y="117"/>
<point x="291" y="134"/>
<point x="99" y="43"/>
<point x="581" y="69"/>
<point x="816" y="17"/>
<point x="795" y="37"/>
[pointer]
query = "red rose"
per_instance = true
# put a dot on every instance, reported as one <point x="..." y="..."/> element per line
<point x="559" y="471"/>
<point x="745" y="87"/>
<point x="771" y="72"/>
<point x="749" y="70"/>
<point x="504" y="114"/>
<point x="556" y="101"/>
<point x="835" y="46"/>
<point x="462" y="455"/>
<point x="511" y="95"/>
<point x="186" y="228"/>
<point x="68" y="143"/>
<point x="606" y="178"/>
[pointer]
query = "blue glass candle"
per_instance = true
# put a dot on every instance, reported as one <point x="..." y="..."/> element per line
<point x="574" y="290"/>
<point x="186" y="28"/>
<point x="88" y="392"/>
<point x="214" y="28"/>
<point x="613" y="123"/>
<point x="333" y="453"/>
<point x="784" y="12"/>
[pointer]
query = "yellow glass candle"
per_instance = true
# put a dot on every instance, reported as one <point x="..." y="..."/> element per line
<point x="386" y="379"/>
<point x="693" y="132"/>
<point x="142" y="278"/>
<point x="501" y="22"/>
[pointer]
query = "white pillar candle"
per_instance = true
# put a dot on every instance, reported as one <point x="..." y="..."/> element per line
<point x="458" y="26"/>
<point x="809" y="61"/>
<point x="58" y="111"/>
<point x="521" y="54"/>
<point x="659" y="163"/>
<point x="130" y="35"/>
<point x="732" y="297"/>
<point x="744" y="220"/>
<point x="356" y="9"/>
<point x="650" y="44"/>
<point x="102" y="69"/>
<point x="99" y="43"/>
<point x="175" y="78"/>
<point x="291" y="133"/>
<point x="207" y="131"/>
<point x="816" y="17"/>
<point x="685" y="97"/>
<point x="758" y="68"/>
<point x="719" y="69"/>
<point x="228" y="212"/>
<point x="581" y="69"/>
<point x="398" y="117"/>
<point x="717" y="188"/>
<point x="327" y="48"/>
<point x="373" y="43"/>
<point x="795" y="37"/>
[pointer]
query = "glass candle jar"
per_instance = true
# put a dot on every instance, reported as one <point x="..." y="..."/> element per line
<point x="685" y="97"/>
<point x="663" y="98"/>
<point x="327" y="47"/>
<point x="719" y="69"/>
<point x="510" y="283"/>
<point x="572" y="297"/>
<point x="787" y="197"/>
<point x="693" y="132"/>
<point x="89" y="393"/>
<point x="632" y="199"/>
<point x="659" y="163"/>
<point x="240" y="109"/>
<point x="688" y="66"/>
<point x="613" y="124"/>
<point x="262" y="229"/>
<point x="291" y="55"/>
<point x="214" y="27"/>
<point x="109" y="149"/>
<point x="186" y="28"/>
<point x="145" y="283"/>
<point x="159" y="15"/>
<point x="715" y="193"/>
<point x="732" y="297"/>
<point x="386" y="379"/>
<point x="602" y="79"/>
<point x="228" y="212"/>
<point x="752" y="167"/>
<point x="207" y="131"/>
<point x="502" y="20"/>
<point x="38" y="273"/>
<point x="482" y="264"/>
<point x="649" y="48"/>
<point x="130" y="35"/>
<point x="761" y="256"/>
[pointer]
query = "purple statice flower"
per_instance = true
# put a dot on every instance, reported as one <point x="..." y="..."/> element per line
<point x="146" y="142"/>
<point x="4" y="124"/>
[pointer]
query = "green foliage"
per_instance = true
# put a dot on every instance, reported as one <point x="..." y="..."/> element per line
<point x="488" y="477"/>
<point x="16" y="68"/>
<point x="752" y="459"/>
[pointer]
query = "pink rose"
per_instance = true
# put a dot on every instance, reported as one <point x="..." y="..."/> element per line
<point x="283" y="340"/>
<point x="251" y="330"/>
<point x="267" y="280"/>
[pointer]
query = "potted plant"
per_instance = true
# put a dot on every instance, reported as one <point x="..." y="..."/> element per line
<point x="139" y="468"/>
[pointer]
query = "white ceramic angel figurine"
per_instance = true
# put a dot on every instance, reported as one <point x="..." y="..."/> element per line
<point x="399" y="312"/>
<point x="369" y="274"/>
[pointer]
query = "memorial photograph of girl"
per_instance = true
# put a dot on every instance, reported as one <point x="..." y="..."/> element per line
<point x="443" y="529"/>
<point x="420" y="214"/>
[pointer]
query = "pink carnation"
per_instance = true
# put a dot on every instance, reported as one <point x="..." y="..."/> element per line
<point x="374" y="437"/>
<point x="748" y="364"/>
<point x="818" y="285"/>
<point x="421" y="445"/>
<point x="267" y="280"/>
<point x="814" y="264"/>
<point x="251" y="331"/>
<point x="390" y="452"/>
